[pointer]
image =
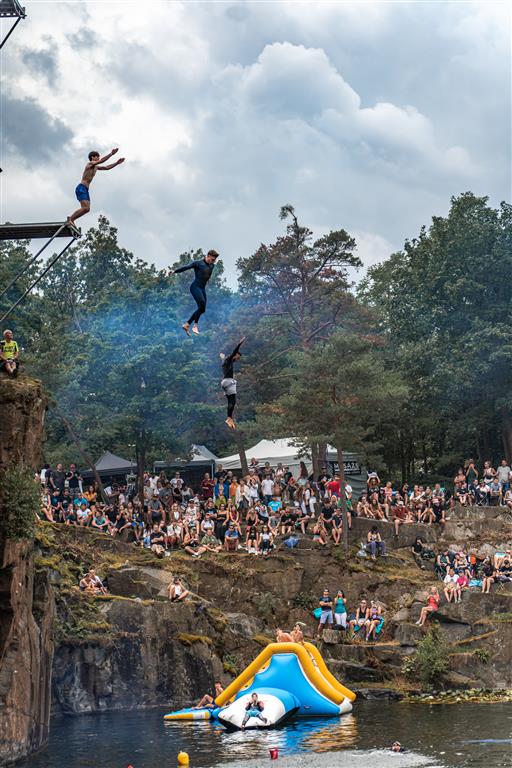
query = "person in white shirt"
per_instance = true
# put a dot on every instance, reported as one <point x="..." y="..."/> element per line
<point x="452" y="590"/>
<point x="267" y="489"/>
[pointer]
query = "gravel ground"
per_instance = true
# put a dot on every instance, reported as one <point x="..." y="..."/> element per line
<point x="345" y="759"/>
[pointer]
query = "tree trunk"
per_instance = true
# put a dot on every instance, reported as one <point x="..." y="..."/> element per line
<point x="506" y="434"/>
<point x="140" y="452"/>
<point x="315" y="460"/>
<point x="85" y="456"/>
<point x="239" y="440"/>
<point x="343" y="495"/>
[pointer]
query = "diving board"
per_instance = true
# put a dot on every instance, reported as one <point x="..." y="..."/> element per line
<point x="11" y="9"/>
<point x="49" y="231"/>
<point x="37" y="231"/>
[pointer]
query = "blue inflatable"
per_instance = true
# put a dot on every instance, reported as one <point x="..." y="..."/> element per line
<point x="289" y="679"/>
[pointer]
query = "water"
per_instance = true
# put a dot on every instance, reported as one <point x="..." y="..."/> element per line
<point x="462" y="735"/>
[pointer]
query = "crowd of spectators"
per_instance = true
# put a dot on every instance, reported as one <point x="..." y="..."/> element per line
<point x="269" y="506"/>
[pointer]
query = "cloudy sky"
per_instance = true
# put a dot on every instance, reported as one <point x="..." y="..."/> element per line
<point x="366" y="116"/>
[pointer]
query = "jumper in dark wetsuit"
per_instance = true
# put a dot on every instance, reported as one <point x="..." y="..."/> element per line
<point x="228" y="383"/>
<point x="203" y="272"/>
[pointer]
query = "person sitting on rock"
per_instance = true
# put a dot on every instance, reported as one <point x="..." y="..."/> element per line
<point x="360" y="617"/>
<point x="432" y="606"/>
<point x="373" y="620"/>
<point x="176" y="590"/>
<point x="254" y="708"/>
<point x="488" y="574"/>
<point x="297" y="634"/>
<point x="452" y="590"/>
<point x="231" y="538"/>
<point x="207" y="700"/>
<point x="92" y="584"/>
<point x="504" y="571"/>
<point x="9" y="354"/>
<point x="210" y="543"/>
<point x="375" y="544"/>
<point x="192" y="545"/>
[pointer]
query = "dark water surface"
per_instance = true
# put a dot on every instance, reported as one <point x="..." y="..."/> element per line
<point x="462" y="735"/>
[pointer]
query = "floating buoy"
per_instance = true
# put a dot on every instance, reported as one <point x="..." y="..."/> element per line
<point x="274" y="753"/>
<point x="183" y="758"/>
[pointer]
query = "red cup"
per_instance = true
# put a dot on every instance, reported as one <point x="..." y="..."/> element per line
<point x="274" y="753"/>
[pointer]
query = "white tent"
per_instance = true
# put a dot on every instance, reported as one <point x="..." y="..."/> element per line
<point x="202" y="453"/>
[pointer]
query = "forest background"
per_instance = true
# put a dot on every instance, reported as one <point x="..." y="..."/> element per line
<point x="411" y="366"/>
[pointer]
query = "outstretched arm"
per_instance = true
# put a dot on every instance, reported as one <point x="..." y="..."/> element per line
<point x="187" y="266"/>
<point x="110" y="166"/>
<point x="105" y="157"/>
<point x="237" y="348"/>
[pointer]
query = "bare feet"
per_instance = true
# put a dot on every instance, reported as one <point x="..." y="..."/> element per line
<point x="195" y="329"/>
<point x="186" y="327"/>
<point x="230" y="422"/>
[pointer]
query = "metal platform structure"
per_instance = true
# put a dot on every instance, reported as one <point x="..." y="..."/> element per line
<point x="48" y="231"/>
<point x="11" y="9"/>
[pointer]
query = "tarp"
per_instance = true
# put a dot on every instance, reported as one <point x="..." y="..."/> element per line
<point x="285" y="452"/>
<point x="202" y="453"/>
<point x="109" y="462"/>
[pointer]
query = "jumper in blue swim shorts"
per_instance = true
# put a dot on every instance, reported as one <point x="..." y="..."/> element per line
<point x="82" y="193"/>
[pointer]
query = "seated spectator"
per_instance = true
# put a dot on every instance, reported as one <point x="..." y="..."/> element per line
<point x="402" y="515"/>
<point x="488" y="573"/>
<point x="495" y="493"/>
<point x="207" y="700"/>
<point x="92" y="584"/>
<point x="297" y="634"/>
<point x="99" y="521"/>
<point x="360" y="616"/>
<point x="90" y="495"/>
<point x="337" y="528"/>
<point x="432" y="606"/>
<point x="176" y="590"/>
<point x="443" y="562"/>
<point x="83" y="515"/>
<point x="507" y="498"/>
<point x="9" y="354"/>
<point x="482" y="494"/>
<point x="157" y="541"/>
<point x="265" y="541"/>
<point x="421" y="552"/>
<point x="452" y="590"/>
<point x="375" y="544"/>
<point x="326" y="616"/>
<point x="319" y="532"/>
<point x="123" y="523"/>
<point x="373" y="620"/>
<point x="210" y="543"/>
<point x="192" y="545"/>
<point x="231" y="538"/>
<point x="503" y="573"/>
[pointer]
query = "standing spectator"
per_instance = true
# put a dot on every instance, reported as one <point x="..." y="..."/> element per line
<point x="9" y="354"/>
<point x="326" y="616"/>
<point x="340" y="609"/>
<point x="74" y="479"/>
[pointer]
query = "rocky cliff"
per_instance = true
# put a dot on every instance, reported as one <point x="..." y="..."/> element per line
<point x="26" y="600"/>
<point x="133" y="648"/>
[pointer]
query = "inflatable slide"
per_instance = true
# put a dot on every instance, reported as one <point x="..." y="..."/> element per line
<point x="287" y="679"/>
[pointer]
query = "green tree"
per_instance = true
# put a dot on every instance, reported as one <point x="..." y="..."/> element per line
<point x="445" y="303"/>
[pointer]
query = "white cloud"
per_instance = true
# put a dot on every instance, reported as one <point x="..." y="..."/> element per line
<point x="363" y="117"/>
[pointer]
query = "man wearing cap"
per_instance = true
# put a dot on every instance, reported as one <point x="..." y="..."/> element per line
<point x="9" y="354"/>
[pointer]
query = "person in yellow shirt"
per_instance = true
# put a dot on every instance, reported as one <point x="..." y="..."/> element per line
<point x="9" y="353"/>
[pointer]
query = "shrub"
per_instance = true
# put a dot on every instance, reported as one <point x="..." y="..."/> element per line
<point x="430" y="662"/>
<point x="21" y="501"/>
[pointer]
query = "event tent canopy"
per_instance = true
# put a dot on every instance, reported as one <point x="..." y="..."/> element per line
<point x="279" y="451"/>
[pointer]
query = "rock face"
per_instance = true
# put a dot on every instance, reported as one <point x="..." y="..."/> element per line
<point x="26" y="600"/>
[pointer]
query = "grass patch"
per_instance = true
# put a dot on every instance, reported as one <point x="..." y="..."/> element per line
<point x="189" y="640"/>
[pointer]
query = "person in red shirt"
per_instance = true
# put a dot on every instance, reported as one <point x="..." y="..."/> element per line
<point x="432" y="606"/>
<point x="334" y="486"/>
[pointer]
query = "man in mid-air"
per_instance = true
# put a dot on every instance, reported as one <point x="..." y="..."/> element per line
<point x="82" y="190"/>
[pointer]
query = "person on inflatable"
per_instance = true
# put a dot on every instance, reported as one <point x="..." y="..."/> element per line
<point x="254" y="708"/>
<point x="203" y="269"/>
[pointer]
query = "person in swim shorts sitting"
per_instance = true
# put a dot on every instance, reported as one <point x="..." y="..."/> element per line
<point x="254" y="708"/>
<point x="283" y="637"/>
<point x="207" y="700"/>
<point x="82" y="190"/>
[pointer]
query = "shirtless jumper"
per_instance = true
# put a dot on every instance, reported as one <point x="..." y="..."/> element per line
<point x="82" y="190"/>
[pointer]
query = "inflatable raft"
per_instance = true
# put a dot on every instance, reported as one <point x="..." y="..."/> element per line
<point x="289" y="679"/>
